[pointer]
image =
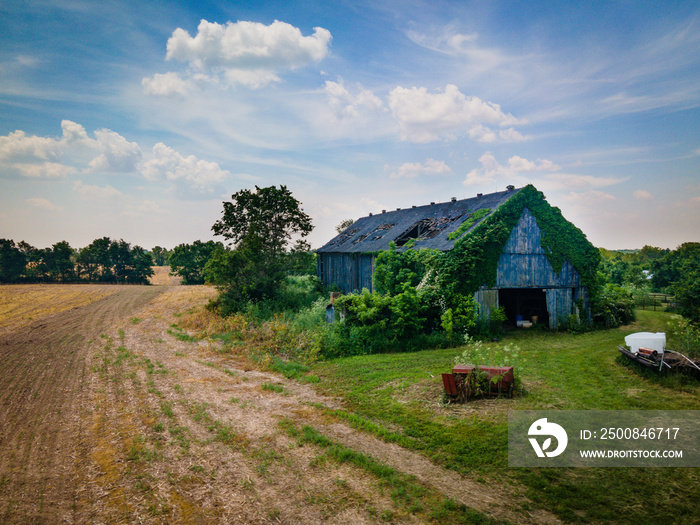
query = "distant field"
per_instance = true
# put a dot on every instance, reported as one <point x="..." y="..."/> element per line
<point x="162" y="276"/>
<point x="20" y="304"/>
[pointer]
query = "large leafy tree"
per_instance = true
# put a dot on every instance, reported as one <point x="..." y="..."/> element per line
<point x="60" y="261"/>
<point x="271" y="215"/>
<point x="261" y="225"/>
<point x="188" y="260"/>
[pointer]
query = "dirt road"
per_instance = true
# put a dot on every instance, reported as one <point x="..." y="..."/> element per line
<point x="110" y="414"/>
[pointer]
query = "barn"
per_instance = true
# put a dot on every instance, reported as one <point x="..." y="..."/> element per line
<point x="519" y="252"/>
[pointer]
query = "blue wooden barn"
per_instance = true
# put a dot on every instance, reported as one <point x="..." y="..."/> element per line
<point x="525" y="283"/>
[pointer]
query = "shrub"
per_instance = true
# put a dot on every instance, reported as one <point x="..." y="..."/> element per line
<point x="687" y="292"/>
<point x="684" y="337"/>
<point x="613" y="307"/>
<point x="373" y="323"/>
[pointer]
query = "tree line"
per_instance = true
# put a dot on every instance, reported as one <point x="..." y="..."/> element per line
<point x="658" y="270"/>
<point x="103" y="261"/>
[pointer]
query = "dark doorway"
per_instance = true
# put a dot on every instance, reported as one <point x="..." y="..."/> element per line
<point x="524" y="303"/>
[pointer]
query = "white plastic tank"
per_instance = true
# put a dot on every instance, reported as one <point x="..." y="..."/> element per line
<point x="652" y="341"/>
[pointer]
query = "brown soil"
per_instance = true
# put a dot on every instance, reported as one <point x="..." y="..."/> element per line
<point x="109" y="414"/>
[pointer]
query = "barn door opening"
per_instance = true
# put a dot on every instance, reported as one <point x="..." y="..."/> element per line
<point x="524" y="303"/>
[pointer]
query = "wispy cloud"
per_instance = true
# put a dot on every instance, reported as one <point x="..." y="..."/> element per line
<point x="411" y="170"/>
<point x="642" y="195"/>
<point x="543" y="173"/>
<point x="349" y="105"/>
<point x="43" y="204"/>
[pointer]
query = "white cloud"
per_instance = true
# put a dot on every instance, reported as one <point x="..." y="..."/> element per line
<point x="74" y="133"/>
<point x="168" y="164"/>
<point x="166" y="84"/>
<point x="543" y="173"/>
<point x="520" y="171"/>
<point x="427" y="117"/>
<point x="44" y="157"/>
<point x="411" y="170"/>
<point x="43" y="204"/>
<point x="589" y="199"/>
<point x="449" y="41"/>
<point x="18" y="147"/>
<point x="107" y="153"/>
<point x="642" y="195"/>
<point x="32" y="157"/>
<point x="96" y="192"/>
<point x="347" y="105"/>
<point x="491" y="169"/>
<point x="242" y="53"/>
<point x="117" y="154"/>
<point x="564" y="181"/>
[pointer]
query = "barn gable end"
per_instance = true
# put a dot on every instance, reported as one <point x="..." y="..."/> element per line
<point x="527" y="285"/>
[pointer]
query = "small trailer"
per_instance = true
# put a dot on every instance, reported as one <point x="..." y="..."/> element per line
<point x="469" y="381"/>
<point x="649" y="349"/>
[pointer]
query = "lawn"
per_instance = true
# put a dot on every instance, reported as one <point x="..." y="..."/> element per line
<point x="398" y="397"/>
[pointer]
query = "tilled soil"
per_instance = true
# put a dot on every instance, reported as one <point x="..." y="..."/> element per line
<point x="110" y="414"/>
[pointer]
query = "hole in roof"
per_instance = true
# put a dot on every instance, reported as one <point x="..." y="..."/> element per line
<point x="425" y="229"/>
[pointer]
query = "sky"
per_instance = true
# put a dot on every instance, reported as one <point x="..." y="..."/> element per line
<point x="137" y="120"/>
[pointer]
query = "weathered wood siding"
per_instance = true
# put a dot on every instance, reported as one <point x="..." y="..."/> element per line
<point x="350" y="271"/>
<point x="560" y="305"/>
<point x="486" y="300"/>
<point x="523" y="263"/>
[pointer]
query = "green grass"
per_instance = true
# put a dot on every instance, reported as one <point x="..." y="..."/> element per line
<point x="273" y="387"/>
<point x="560" y="371"/>
<point x="406" y="491"/>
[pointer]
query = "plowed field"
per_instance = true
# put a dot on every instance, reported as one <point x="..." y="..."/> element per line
<point x="110" y="414"/>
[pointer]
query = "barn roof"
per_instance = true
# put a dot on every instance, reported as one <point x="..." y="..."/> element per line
<point x="430" y="225"/>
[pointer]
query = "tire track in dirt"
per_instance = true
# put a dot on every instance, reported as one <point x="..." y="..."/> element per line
<point x="42" y="385"/>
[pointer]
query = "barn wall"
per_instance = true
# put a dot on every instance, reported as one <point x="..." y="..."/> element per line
<point x="560" y="305"/>
<point x="486" y="300"/>
<point x="350" y="271"/>
<point x="523" y="264"/>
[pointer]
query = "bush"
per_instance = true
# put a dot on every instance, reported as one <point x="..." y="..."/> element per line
<point x="684" y="337"/>
<point x="374" y="323"/>
<point x="687" y="293"/>
<point x="613" y="307"/>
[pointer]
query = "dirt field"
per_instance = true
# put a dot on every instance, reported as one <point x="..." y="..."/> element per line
<point x="109" y="414"/>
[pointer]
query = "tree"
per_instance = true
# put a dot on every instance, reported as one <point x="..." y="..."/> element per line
<point x="687" y="294"/>
<point x="120" y="255"/>
<point x="261" y="225"/>
<point x="161" y="256"/>
<point x="344" y="225"/>
<point x="271" y="214"/>
<point x="188" y="260"/>
<point x="12" y="261"/>
<point x="100" y="256"/>
<point x="669" y="269"/>
<point x="60" y="261"/>
<point x="141" y="267"/>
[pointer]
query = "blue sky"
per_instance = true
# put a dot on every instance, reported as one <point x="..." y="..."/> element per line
<point x="136" y="120"/>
